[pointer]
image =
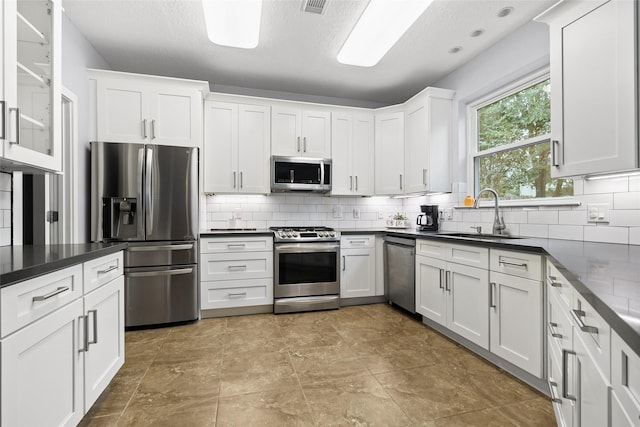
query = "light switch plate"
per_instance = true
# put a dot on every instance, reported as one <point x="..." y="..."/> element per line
<point x="598" y="212"/>
<point x="356" y="213"/>
<point x="337" y="211"/>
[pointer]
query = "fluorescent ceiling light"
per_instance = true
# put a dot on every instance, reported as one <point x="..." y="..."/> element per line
<point x="381" y="25"/>
<point x="234" y="23"/>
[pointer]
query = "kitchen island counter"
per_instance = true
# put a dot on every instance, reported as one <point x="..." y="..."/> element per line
<point x="19" y="263"/>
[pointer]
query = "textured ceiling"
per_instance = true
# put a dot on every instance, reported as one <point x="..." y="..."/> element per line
<point x="297" y="50"/>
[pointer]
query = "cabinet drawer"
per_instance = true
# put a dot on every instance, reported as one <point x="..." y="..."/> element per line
<point x="236" y="244"/>
<point x="232" y="266"/>
<point x="519" y="264"/>
<point x="472" y="256"/>
<point x="102" y="270"/>
<point x="559" y="285"/>
<point x="559" y="324"/>
<point x="32" y="299"/>
<point x="595" y="333"/>
<point x="358" y="241"/>
<point x="431" y="248"/>
<point x="236" y="293"/>
<point x="625" y="379"/>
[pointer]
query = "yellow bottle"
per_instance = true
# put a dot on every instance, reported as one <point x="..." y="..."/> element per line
<point x="468" y="201"/>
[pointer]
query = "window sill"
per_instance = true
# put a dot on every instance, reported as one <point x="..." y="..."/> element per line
<point x="526" y="203"/>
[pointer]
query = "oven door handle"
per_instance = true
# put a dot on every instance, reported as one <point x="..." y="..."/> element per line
<point x="306" y="247"/>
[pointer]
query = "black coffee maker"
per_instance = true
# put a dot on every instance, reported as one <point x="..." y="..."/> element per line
<point x="428" y="219"/>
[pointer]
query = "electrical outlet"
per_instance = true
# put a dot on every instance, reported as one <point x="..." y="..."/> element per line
<point x="598" y="212"/>
<point x="337" y="211"/>
<point x="356" y="213"/>
<point x="380" y="215"/>
<point x="448" y="214"/>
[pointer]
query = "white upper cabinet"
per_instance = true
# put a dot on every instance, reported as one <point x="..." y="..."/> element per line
<point x="147" y="109"/>
<point x="428" y="124"/>
<point x="389" y="153"/>
<point x="594" y="86"/>
<point x="30" y="85"/>
<point x="236" y="148"/>
<point x="302" y="133"/>
<point x="352" y="144"/>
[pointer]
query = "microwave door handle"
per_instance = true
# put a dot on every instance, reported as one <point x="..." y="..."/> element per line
<point x="321" y="172"/>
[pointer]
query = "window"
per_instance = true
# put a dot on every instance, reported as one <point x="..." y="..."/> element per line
<point x="510" y="142"/>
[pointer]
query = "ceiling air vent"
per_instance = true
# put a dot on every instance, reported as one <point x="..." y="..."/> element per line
<point x="314" y="6"/>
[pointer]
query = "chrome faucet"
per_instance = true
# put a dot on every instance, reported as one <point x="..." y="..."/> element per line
<point x="498" y="222"/>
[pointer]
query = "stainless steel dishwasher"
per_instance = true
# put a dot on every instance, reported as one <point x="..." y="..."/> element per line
<point x="400" y="271"/>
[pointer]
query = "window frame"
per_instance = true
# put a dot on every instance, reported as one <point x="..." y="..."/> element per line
<point x="472" y="136"/>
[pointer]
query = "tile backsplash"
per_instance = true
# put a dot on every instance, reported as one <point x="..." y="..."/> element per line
<point x="621" y="195"/>
<point x="296" y="209"/>
<point x="5" y="209"/>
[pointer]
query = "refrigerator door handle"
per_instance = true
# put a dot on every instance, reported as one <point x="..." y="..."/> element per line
<point x="148" y="191"/>
<point x="172" y="272"/>
<point x="160" y="247"/>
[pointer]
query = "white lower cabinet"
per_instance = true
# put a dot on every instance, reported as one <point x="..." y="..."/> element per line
<point x="625" y="384"/>
<point x="54" y="367"/>
<point x="588" y="387"/>
<point x="104" y="354"/>
<point x="236" y="272"/>
<point x="358" y="266"/>
<point x="454" y="295"/>
<point x="516" y="309"/>
<point x="42" y="371"/>
<point x="515" y="317"/>
<point x="579" y="360"/>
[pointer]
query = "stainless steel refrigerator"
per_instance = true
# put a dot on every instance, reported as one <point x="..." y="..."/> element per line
<point x="147" y="195"/>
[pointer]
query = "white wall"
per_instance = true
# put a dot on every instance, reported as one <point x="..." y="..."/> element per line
<point x="78" y="55"/>
<point x="521" y="53"/>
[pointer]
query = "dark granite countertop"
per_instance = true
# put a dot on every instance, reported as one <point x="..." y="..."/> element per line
<point x="18" y="263"/>
<point x="607" y="275"/>
<point x="219" y="232"/>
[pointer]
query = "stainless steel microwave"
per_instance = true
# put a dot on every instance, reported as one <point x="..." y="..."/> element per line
<point x="300" y="174"/>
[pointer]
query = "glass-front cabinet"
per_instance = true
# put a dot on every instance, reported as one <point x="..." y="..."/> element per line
<point x="30" y="80"/>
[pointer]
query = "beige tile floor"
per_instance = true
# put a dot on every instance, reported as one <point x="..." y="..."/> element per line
<point x="366" y="366"/>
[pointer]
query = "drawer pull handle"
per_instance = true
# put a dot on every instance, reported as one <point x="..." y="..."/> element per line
<point x="448" y="281"/>
<point x="441" y="278"/>
<point x="238" y="295"/>
<point x="514" y="264"/>
<point x="552" y="282"/>
<point x="492" y="297"/>
<point x="359" y="242"/>
<point x="565" y="380"/>
<point x="95" y="327"/>
<point x="105" y="271"/>
<point x="237" y="267"/>
<point x="553" y="385"/>
<point x="552" y="331"/>
<point x="85" y="335"/>
<point x="51" y="294"/>
<point x="236" y="245"/>
<point x="577" y="316"/>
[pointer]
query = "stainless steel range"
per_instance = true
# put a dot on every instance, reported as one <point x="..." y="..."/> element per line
<point x="307" y="269"/>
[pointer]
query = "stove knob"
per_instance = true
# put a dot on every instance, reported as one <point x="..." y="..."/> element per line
<point x="322" y="234"/>
<point x="332" y="233"/>
<point x="295" y="234"/>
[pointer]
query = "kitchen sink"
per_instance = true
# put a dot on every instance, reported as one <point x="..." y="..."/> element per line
<point x="481" y="236"/>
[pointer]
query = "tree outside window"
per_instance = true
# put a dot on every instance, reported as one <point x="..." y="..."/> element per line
<point x="510" y="139"/>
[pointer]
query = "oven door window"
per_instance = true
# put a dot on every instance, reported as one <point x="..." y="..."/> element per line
<point x="307" y="267"/>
